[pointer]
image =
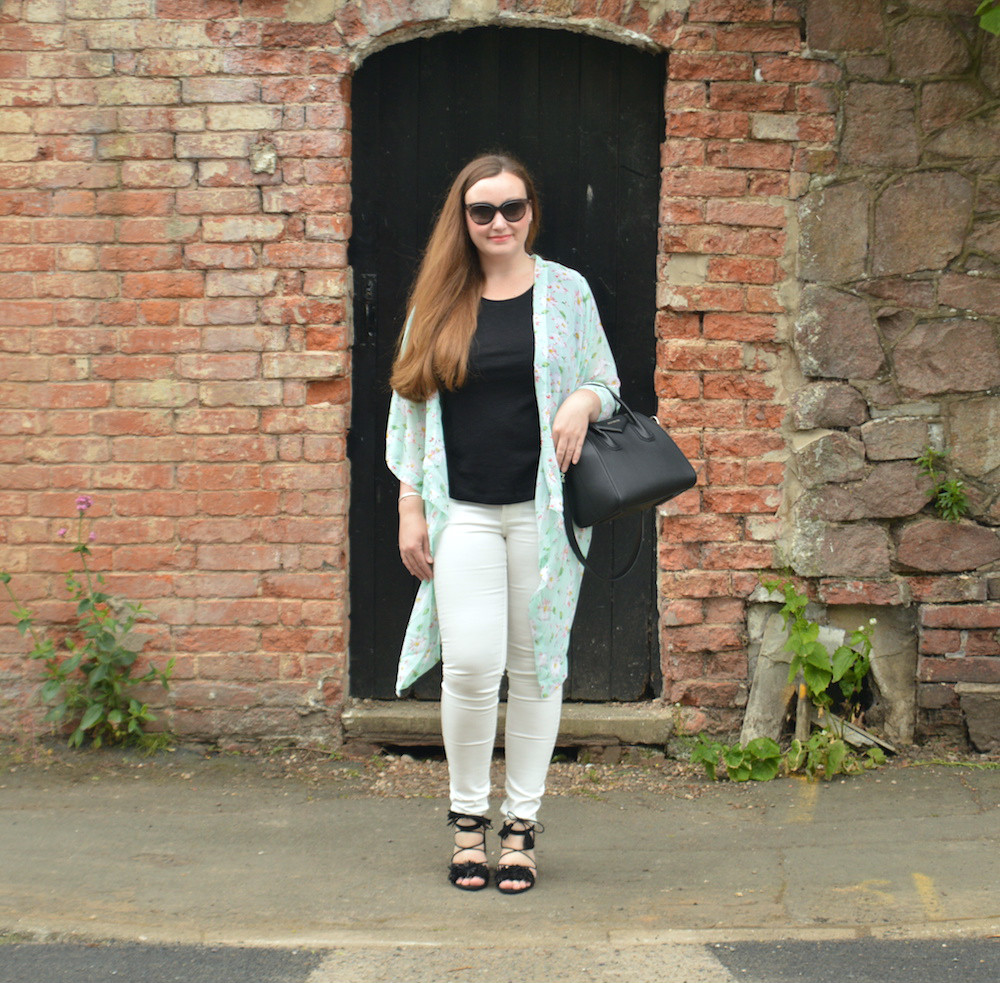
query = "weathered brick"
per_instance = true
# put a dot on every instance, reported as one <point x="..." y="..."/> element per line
<point x="214" y="145"/>
<point x="27" y="257"/>
<point x="960" y="670"/>
<point x="143" y="203"/>
<point x="728" y="11"/>
<point x="334" y="143"/>
<point x="75" y="230"/>
<point x="212" y="255"/>
<point x="219" y="90"/>
<point x="16" y="121"/>
<point x="700" y="297"/>
<point x="304" y="365"/>
<point x="251" y="393"/>
<point x="704" y="182"/>
<point x="180" y="283"/>
<point x="219" y="366"/>
<point x="256" y="283"/>
<point x="137" y="92"/>
<point x="158" y="118"/>
<point x="198" y="9"/>
<point x="744" y="270"/>
<point x="96" y="285"/>
<point x="746" y="213"/>
<point x="305" y="254"/>
<point x="328" y="227"/>
<point x="225" y="201"/>
<point x="109" y="9"/>
<point x="708" y="124"/>
<point x="309" y="198"/>
<point x="229" y="312"/>
<point x="141" y="258"/>
<point x="19" y="285"/>
<point x="70" y="201"/>
<point x="710" y="66"/>
<point x="157" y="174"/>
<point x="160" y="393"/>
<point x="23" y="93"/>
<point x="244" y="117"/>
<point x="255" y="228"/>
<point x="139" y="146"/>
<point x="172" y="229"/>
<point x="325" y="284"/>
<point x="291" y="309"/>
<point x="178" y="63"/>
<point x="217" y="421"/>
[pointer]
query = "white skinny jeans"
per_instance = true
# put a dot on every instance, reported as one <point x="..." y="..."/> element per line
<point x="485" y="571"/>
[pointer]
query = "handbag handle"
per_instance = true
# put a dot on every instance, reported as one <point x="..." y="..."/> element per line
<point x="575" y="546"/>
<point x="644" y="434"/>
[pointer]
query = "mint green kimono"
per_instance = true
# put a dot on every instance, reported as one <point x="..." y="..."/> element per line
<point x="571" y="352"/>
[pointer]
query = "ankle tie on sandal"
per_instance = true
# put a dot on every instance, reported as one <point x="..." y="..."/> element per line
<point x="468" y="869"/>
<point x="518" y="872"/>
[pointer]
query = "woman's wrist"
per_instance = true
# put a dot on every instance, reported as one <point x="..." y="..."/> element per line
<point x="410" y="502"/>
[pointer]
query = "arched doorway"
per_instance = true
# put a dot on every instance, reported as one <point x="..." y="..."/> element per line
<point x="586" y="116"/>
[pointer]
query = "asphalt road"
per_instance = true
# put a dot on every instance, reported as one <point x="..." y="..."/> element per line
<point x="838" y="961"/>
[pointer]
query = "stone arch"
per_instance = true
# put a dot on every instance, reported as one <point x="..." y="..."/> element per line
<point x="368" y="27"/>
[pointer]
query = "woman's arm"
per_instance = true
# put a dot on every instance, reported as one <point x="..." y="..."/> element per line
<point x="414" y="542"/>
<point x="569" y="428"/>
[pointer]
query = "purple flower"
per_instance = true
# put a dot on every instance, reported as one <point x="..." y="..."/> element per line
<point x="62" y="532"/>
<point x="83" y="503"/>
<point x="92" y="536"/>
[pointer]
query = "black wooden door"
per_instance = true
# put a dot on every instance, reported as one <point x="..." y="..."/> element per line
<point x="586" y="117"/>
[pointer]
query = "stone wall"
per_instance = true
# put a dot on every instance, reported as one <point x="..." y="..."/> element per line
<point x="176" y="319"/>
<point x="897" y="335"/>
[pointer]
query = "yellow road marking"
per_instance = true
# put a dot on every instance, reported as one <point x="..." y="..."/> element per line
<point x="802" y="811"/>
<point x="928" y="895"/>
<point x="869" y="891"/>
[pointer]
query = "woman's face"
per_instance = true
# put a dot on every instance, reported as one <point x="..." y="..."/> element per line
<point x="499" y="238"/>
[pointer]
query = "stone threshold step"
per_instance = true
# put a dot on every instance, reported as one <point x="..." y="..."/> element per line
<point x="417" y="723"/>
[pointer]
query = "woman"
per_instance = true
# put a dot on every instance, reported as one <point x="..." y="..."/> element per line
<point x="502" y="366"/>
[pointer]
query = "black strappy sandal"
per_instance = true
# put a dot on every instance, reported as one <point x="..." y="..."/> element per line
<point x="518" y="872"/>
<point x="469" y="868"/>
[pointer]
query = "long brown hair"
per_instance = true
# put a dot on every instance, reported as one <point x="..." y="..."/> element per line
<point x="444" y="301"/>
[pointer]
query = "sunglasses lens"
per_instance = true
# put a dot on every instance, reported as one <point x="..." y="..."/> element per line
<point x="513" y="211"/>
<point x="482" y="214"/>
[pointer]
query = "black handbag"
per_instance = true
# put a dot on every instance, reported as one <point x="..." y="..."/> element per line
<point x="628" y="464"/>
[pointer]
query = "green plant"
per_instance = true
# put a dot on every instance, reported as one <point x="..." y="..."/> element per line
<point x="823" y="755"/>
<point x="947" y="494"/>
<point x="988" y="13"/>
<point x="826" y="754"/>
<point x="88" y="682"/>
<point x="759" y="760"/>
<point x="847" y="665"/>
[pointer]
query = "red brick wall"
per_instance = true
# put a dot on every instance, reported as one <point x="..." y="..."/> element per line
<point x="176" y="326"/>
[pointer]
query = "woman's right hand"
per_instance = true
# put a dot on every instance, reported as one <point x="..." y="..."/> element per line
<point x="414" y="542"/>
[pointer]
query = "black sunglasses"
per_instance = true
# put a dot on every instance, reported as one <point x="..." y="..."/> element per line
<point x="482" y="212"/>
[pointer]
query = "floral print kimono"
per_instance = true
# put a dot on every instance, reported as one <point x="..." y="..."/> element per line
<point x="571" y="352"/>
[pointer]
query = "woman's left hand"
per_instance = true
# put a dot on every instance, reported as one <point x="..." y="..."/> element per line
<point x="569" y="428"/>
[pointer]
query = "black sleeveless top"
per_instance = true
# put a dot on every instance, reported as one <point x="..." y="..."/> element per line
<point x="491" y="431"/>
